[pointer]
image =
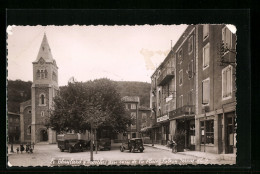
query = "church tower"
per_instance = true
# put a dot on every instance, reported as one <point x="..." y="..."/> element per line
<point x="44" y="88"/>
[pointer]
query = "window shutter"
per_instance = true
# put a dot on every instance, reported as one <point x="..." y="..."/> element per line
<point x="205" y="92"/>
<point x="224" y="81"/>
<point x="229" y="81"/>
<point x="228" y="38"/>
<point x="206" y="56"/>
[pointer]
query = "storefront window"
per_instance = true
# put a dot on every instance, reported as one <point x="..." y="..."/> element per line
<point x="209" y="132"/>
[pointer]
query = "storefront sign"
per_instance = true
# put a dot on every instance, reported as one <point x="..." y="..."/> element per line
<point x="165" y="117"/>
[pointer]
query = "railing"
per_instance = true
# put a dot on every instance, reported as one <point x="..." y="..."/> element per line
<point x="166" y="75"/>
<point x="186" y="110"/>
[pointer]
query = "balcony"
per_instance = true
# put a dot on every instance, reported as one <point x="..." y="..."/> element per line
<point x="187" y="110"/>
<point x="166" y="75"/>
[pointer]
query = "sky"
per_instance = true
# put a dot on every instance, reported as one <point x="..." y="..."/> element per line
<point x="120" y="53"/>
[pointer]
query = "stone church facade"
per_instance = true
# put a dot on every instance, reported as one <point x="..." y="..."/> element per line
<point x="44" y="88"/>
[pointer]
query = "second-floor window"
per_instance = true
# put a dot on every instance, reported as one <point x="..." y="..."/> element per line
<point x="133" y="106"/>
<point x="227" y="82"/>
<point x="180" y="77"/>
<point x="206" y="56"/>
<point x="205" y="92"/>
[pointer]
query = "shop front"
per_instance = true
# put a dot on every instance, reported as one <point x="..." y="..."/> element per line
<point x="183" y="122"/>
<point x="164" y="128"/>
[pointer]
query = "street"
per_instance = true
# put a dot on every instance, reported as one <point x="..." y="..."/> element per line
<point x="49" y="155"/>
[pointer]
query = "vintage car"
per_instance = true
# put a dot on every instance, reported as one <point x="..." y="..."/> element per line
<point x="71" y="143"/>
<point x="134" y="144"/>
<point x="104" y="144"/>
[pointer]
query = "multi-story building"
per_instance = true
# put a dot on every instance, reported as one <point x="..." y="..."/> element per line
<point x="183" y="117"/>
<point x="216" y="89"/>
<point x="13" y="127"/>
<point x="145" y="121"/>
<point x="202" y="89"/>
<point x="132" y="105"/>
<point x="163" y="98"/>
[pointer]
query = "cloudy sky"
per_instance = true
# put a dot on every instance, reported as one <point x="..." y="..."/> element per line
<point x="127" y="53"/>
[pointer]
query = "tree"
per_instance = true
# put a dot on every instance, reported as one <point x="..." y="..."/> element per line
<point x="80" y="104"/>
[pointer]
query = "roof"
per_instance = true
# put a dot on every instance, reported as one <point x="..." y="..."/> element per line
<point x="131" y="99"/>
<point x="45" y="51"/>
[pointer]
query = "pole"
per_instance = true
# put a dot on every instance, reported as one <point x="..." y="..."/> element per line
<point x="91" y="142"/>
<point x="205" y="117"/>
<point x="96" y="145"/>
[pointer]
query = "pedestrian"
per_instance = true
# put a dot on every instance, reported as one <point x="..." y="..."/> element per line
<point x="21" y="148"/>
<point x="174" y="146"/>
<point x="17" y="149"/>
<point x="27" y="148"/>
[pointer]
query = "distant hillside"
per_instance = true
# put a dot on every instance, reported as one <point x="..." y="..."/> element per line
<point x="141" y="89"/>
<point x="20" y="91"/>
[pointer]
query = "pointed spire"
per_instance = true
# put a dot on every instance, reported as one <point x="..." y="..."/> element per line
<point x="44" y="51"/>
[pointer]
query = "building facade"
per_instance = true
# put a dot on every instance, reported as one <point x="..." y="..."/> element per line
<point x="145" y="120"/>
<point x="13" y="127"/>
<point x="203" y="90"/>
<point x="163" y="98"/>
<point x="132" y="104"/>
<point x="183" y="117"/>
<point x="216" y="89"/>
<point x="44" y="88"/>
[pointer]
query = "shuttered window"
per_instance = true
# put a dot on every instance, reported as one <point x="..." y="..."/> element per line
<point x="227" y="82"/>
<point x="206" y="56"/>
<point x="227" y="38"/>
<point x="205" y="92"/>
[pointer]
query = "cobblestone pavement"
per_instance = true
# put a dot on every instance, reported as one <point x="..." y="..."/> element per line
<point x="44" y="155"/>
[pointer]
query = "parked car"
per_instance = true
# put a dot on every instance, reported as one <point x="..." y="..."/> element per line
<point x="71" y="143"/>
<point x="134" y="144"/>
<point x="104" y="144"/>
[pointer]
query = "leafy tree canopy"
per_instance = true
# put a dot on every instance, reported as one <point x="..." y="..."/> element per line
<point x="94" y="102"/>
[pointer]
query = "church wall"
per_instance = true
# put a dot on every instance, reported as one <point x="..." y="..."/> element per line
<point x="27" y="119"/>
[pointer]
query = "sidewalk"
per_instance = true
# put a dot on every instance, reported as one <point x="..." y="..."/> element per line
<point x="211" y="156"/>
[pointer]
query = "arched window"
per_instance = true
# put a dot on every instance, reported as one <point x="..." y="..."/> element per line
<point x="42" y="99"/>
<point x="29" y="130"/>
<point x="46" y="73"/>
<point x="38" y="74"/>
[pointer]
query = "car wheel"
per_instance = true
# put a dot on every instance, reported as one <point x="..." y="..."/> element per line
<point x="70" y="150"/>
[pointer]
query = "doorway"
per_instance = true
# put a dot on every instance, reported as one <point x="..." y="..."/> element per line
<point x="230" y="133"/>
<point x="43" y="135"/>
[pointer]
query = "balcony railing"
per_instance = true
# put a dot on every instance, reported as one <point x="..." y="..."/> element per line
<point x="186" y="110"/>
<point x="166" y="75"/>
